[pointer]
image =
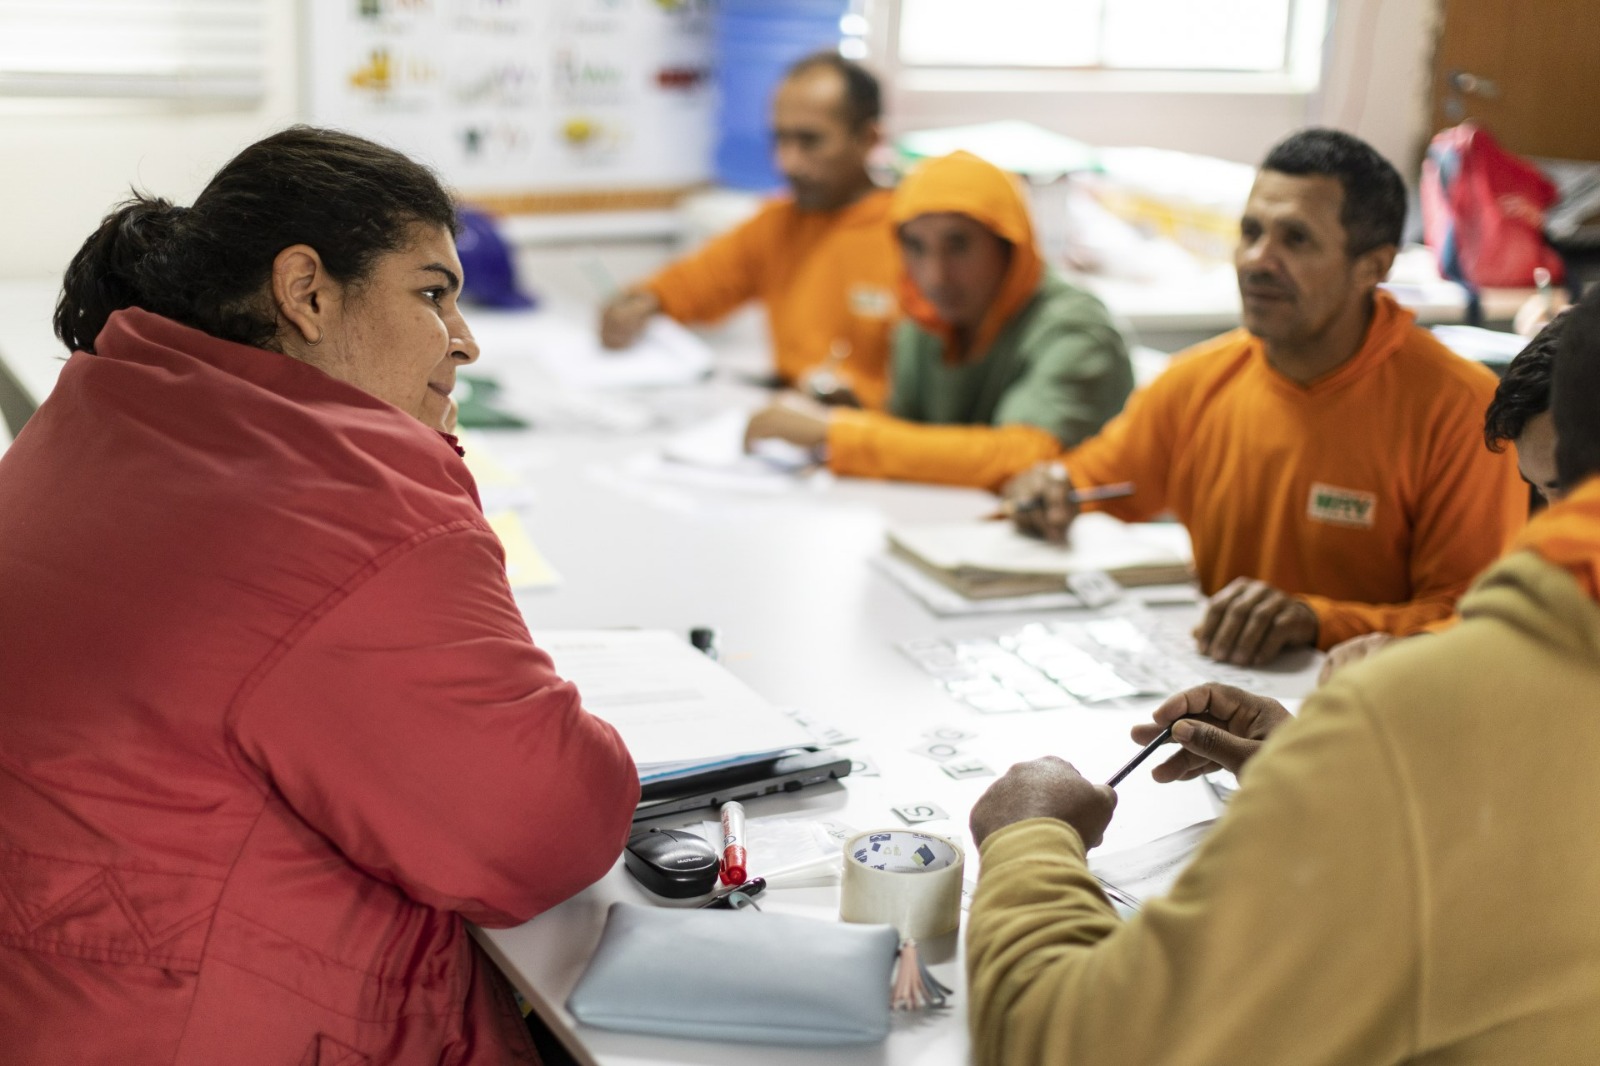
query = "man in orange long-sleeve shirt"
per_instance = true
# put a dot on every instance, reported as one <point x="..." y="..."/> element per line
<point x="1326" y="459"/>
<point x="822" y="259"/>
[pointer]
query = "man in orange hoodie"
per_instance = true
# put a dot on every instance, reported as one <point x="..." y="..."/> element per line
<point x="1326" y="458"/>
<point x="822" y="259"/>
<point x="1406" y="875"/>
<point x="1000" y="361"/>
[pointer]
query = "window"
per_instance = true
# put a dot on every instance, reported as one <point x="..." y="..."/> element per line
<point x="1242" y="36"/>
<point x="149" y="49"/>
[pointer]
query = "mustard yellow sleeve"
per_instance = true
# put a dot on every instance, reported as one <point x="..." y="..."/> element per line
<point x="1472" y="505"/>
<point x="1293" y="936"/>
<point x="721" y="275"/>
<point x="873" y="444"/>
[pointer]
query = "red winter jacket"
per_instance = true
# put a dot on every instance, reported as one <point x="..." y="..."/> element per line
<point x="271" y="726"/>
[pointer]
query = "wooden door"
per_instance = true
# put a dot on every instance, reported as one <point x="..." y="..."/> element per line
<point x="1527" y="70"/>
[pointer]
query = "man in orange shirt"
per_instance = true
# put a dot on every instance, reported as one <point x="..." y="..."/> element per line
<point x="1326" y="459"/>
<point x="1519" y="414"/>
<point x="822" y="259"/>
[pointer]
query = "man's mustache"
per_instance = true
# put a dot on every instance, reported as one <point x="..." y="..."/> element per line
<point x="1269" y="284"/>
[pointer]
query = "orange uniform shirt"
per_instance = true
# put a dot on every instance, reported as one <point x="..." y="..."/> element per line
<point x="827" y="279"/>
<point x="1368" y="493"/>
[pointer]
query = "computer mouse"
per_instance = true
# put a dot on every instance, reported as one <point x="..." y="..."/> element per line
<point x="674" y="863"/>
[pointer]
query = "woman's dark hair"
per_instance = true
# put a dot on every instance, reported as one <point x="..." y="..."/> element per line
<point x="207" y="266"/>
<point x="1575" y="394"/>
<point x="1524" y="391"/>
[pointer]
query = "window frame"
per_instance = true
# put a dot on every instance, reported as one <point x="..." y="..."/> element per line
<point x="241" y="27"/>
<point x="1309" y="22"/>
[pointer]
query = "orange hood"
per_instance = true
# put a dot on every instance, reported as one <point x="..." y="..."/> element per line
<point x="1568" y="536"/>
<point x="963" y="184"/>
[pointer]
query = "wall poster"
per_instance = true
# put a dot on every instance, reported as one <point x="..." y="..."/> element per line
<point x="525" y="105"/>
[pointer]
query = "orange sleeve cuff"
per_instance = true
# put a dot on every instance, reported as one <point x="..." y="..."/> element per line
<point x="871" y="444"/>
<point x="1339" y="620"/>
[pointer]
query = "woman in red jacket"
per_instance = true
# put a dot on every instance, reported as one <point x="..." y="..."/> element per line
<point x="271" y="725"/>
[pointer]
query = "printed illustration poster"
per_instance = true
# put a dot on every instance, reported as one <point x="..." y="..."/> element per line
<point x="523" y="96"/>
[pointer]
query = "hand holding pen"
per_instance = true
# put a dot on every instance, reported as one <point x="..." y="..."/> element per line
<point x="1043" y="502"/>
<point x="1217" y="727"/>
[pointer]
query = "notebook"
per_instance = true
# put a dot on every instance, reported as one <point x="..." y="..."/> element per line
<point x="984" y="560"/>
<point x="679" y="711"/>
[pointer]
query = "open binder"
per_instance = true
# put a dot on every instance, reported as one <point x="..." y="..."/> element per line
<point x="680" y="712"/>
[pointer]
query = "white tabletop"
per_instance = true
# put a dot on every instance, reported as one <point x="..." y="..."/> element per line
<point x="808" y="620"/>
<point x="30" y="354"/>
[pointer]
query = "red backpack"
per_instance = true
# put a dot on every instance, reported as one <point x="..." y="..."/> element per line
<point x="1483" y="211"/>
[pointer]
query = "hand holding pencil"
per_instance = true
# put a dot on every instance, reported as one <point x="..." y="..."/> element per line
<point x="1217" y="727"/>
<point x="1043" y="502"/>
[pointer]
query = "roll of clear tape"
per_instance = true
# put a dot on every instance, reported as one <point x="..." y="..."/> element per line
<point x="903" y="878"/>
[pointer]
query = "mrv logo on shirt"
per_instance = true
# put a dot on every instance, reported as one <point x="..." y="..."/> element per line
<point x="1342" y="507"/>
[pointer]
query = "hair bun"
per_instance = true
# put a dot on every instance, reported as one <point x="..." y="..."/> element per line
<point x="116" y="267"/>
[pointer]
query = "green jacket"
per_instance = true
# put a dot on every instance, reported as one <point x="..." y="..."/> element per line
<point x="1059" y="364"/>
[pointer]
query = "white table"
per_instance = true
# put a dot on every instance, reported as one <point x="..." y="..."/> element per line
<point x="809" y="622"/>
<point x="30" y="356"/>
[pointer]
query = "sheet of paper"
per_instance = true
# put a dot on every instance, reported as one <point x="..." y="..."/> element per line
<point x="718" y="444"/>
<point x="1096" y="542"/>
<point x="665" y="354"/>
<point x="1139" y="874"/>
<point x="789" y="850"/>
<point x="677" y="709"/>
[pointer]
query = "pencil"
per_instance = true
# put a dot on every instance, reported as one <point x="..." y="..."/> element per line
<point x="1076" y="497"/>
<point x="1133" y="763"/>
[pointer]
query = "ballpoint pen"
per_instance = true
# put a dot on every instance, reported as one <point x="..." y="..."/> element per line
<point x="1133" y="763"/>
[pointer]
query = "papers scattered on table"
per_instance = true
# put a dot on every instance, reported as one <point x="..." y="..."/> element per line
<point x="714" y="450"/>
<point x="665" y="354"/>
<point x="1133" y="877"/>
<point x="1051" y="665"/>
<point x="988" y="560"/>
<point x="678" y="710"/>
<point x="1484" y="345"/>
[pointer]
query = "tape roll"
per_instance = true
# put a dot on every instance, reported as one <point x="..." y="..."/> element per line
<point x="903" y="878"/>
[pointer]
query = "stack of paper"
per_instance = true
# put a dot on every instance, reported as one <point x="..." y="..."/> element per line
<point x="678" y="710"/>
<point x="984" y="560"/>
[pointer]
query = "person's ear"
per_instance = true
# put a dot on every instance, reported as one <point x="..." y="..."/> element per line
<point x="1372" y="266"/>
<point x="303" y="293"/>
<point x="870" y="134"/>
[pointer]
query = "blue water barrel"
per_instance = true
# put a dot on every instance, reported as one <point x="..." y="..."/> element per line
<point x="756" y="41"/>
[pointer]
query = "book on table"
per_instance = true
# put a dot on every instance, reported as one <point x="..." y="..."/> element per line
<point x="984" y="560"/>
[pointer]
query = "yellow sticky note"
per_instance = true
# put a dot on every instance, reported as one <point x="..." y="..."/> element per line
<point x="486" y="469"/>
<point x="526" y="566"/>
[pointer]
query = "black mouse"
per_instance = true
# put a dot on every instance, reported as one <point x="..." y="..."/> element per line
<point x="674" y="863"/>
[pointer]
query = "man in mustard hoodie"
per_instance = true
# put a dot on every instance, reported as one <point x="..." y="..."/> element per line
<point x="1410" y="872"/>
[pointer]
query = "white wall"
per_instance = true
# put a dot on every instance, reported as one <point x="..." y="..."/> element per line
<point x="62" y="165"/>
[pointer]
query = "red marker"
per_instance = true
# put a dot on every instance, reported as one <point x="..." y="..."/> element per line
<point x="733" y="853"/>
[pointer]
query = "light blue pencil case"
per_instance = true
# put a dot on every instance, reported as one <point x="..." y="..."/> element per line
<point x="738" y="975"/>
